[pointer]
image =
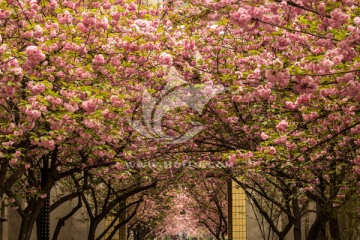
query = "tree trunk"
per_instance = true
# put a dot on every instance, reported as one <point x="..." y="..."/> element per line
<point x="28" y="219"/>
<point x="27" y="225"/>
<point x="140" y="233"/>
<point x="297" y="222"/>
<point x="92" y="231"/>
<point x="23" y="228"/>
<point x="317" y="230"/>
<point x="334" y="229"/>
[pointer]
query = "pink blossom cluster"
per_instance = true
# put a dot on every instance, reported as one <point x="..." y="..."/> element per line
<point x="67" y="93"/>
<point x="9" y="91"/>
<point x="303" y="99"/>
<point x="55" y="101"/>
<point x="242" y="17"/>
<point x="4" y="14"/>
<point x="263" y="92"/>
<point x="33" y="114"/>
<point x="311" y="116"/>
<point x="338" y="18"/>
<point x="103" y="23"/>
<point x="3" y="49"/>
<point x="146" y="27"/>
<point x="38" y="31"/>
<point x="91" y="123"/>
<point x="99" y="59"/>
<point x="264" y="136"/>
<point x="36" y="88"/>
<point x="282" y="126"/>
<point x="71" y="106"/>
<point x="82" y="28"/>
<point x="46" y="143"/>
<point x="91" y="105"/>
<point x="165" y="59"/>
<point x="82" y="74"/>
<point x="281" y="140"/>
<point x="18" y="71"/>
<point x="281" y="78"/>
<point x="34" y="55"/>
<point x="116" y="101"/>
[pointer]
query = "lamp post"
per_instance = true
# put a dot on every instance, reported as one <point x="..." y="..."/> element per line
<point x="45" y="209"/>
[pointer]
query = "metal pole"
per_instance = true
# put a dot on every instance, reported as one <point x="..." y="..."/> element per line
<point x="45" y="210"/>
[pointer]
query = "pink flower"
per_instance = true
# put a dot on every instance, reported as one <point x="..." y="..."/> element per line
<point x="53" y="4"/>
<point x="90" y="105"/>
<point x="17" y="154"/>
<point x="321" y="8"/>
<point x="357" y="170"/>
<point x="327" y="63"/>
<point x="290" y="105"/>
<point x="3" y="49"/>
<point x="311" y="116"/>
<point x="43" y="196"/>
<point x="165" y="59"/>
<point x="99" y="59"/>
<point x="34" y="55"/>
<point x="264" y="136"/>
<point x="340" y="196"/>
<point x="271" y="150"/>
<point x="264" y="93"/>
<point x="38" y="31"/>
<point x="54" y="100"/>
<point x="232" y="160"/>
<point x="357" y="20"/>
<point x="337" y="59"/>
<point x="65" y="18"/>
<point x="280" y="140"/>
<point x="82" y="27"/>
<point x="9" y="91"/>
<point x="116" y="102"/>
<point x="104" y="23"/>
<point x="36" y="88"/>
<point x="241" y="17"/>
<point x="303" y="99"/>
<point x="50" y="144"/>
<point x="4" y="14"/>
<point x="88" y="20"/>
<point x="33" y="114"/>
<point x="69" y="4"/>
<point x="282" y="78"/>
<point x="282" y="126"/>
<point x="27" y="166"/>
<point x="71" y="107"/>
<point x="338" y="16"/>
<point x="17" y="71"/>
<point x="233" y="120"/>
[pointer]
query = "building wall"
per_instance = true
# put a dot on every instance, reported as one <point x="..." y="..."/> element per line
<point x="244" y="218"/>
<point x="75" y="228"/>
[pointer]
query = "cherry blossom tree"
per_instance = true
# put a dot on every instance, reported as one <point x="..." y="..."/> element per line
<point x="68" y="81"/>
<point x="292" y="113"/>
<point x="209" y="201"/>
<point x="149" y="219"/>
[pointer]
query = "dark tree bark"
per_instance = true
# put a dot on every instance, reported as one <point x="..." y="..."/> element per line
<point x="334" y="229"/>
